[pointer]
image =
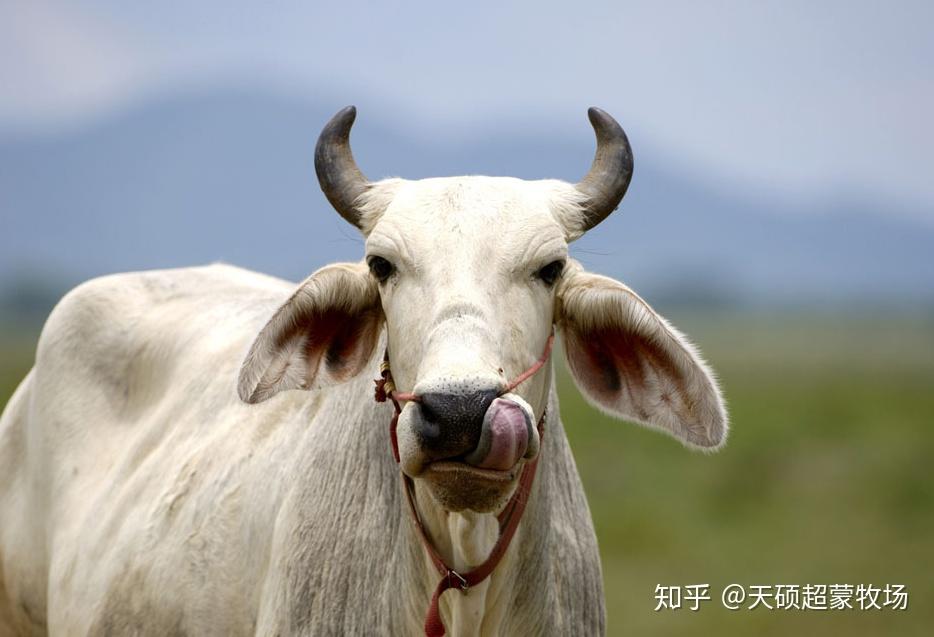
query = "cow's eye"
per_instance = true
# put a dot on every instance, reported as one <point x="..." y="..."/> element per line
<point x="380" y="267"/>
<point x="550" y="273"/>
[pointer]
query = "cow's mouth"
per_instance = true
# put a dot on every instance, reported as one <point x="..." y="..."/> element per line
<point x="478" y="472"/>
<point x="458" y="486"/>
<point x="457" y="469"/>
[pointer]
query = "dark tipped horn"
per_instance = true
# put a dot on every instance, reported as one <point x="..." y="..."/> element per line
<point x="338" y="175"/>
<point x="609" y="175"/>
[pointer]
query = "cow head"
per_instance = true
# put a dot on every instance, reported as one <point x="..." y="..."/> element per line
<point x="468" y="276"/>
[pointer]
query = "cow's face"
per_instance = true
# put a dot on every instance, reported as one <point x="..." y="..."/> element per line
<point x="467" y="270"/>
<point x="468" y="276"/>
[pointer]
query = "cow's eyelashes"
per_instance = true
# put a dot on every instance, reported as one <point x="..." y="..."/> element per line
<point x="380" y="268"/>
<point x="550" y="273"/>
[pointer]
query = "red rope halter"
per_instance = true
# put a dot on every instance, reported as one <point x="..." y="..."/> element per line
<point x="508" y="518"/>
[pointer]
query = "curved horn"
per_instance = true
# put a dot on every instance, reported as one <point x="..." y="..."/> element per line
<point x="338" y="175"/>
<point x="609" y="175"/>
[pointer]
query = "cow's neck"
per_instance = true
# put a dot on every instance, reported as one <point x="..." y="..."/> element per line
<point x="465" y="540"/>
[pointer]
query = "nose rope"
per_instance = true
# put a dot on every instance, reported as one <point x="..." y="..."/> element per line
<point x="386" y="387"/>
<point x="537" y="365"/>
<point x="508" y="518"/>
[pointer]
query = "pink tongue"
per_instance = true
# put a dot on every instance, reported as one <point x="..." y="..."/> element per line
<point x="506" y="429"/>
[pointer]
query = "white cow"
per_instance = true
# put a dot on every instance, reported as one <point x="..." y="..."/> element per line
<point x="140" y="495"/>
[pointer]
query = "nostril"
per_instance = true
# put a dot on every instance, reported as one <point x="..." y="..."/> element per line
<point x="431" y="406"/>
<point x="427" y="430"/>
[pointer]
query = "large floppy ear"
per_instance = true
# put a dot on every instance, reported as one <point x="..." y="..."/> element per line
<point x="631" y="363"/>
<point x="324" y="334"/>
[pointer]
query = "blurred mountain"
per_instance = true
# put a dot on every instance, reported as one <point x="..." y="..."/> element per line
<point x="228" y="175"/>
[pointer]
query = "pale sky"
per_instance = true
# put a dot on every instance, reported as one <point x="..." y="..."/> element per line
<point x="801" y="98"/>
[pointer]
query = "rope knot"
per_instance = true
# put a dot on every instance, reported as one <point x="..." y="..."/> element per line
<point x="384" y="385"/>
<point x="380" y="393"/>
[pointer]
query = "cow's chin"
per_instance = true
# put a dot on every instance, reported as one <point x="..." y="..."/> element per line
<point x="458" y="486"/>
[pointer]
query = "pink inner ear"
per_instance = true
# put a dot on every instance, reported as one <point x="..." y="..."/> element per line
<point x="620" y="367"/>
<point x="344" y="341"/>
<point x="351" y="344"/>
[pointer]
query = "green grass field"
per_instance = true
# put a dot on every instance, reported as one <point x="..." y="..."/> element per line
<point x="826" y="478"/>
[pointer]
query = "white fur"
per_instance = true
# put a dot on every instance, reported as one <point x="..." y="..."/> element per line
<point x="139" y="495"/>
